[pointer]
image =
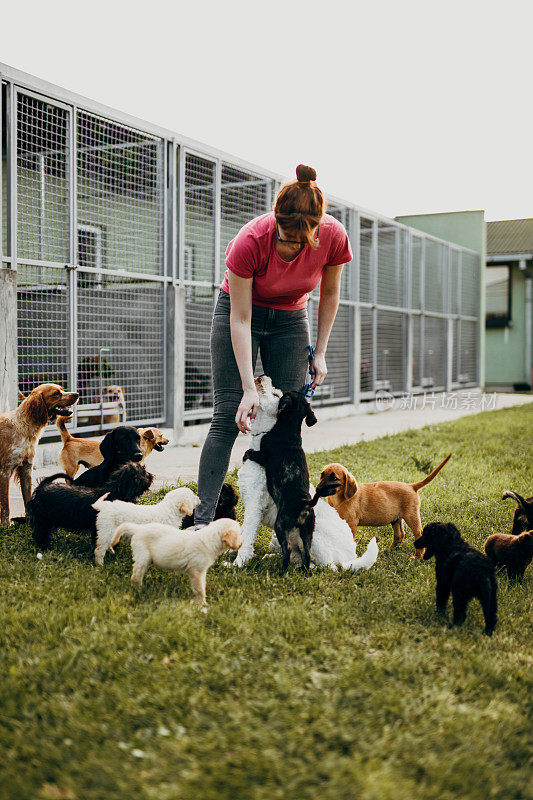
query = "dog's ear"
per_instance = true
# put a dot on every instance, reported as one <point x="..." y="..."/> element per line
<point x="107" y="445"/>
<point x="310" y="418"/>
<point x="148" y="434"/>
<point x="350" y="485"/>
<point x="37" y="408"/>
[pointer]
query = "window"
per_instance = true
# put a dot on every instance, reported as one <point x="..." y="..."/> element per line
<point x="498" y="296"/>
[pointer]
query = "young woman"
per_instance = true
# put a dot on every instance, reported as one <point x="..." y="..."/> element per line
<point x="272" y="264"/>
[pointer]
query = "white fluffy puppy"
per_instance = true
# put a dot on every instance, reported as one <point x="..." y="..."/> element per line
<point x="175" y="505"/>
<point x="333" y="544"/>
<point x="183" y="551"/>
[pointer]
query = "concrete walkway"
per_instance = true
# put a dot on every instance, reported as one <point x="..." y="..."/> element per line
<point x="335" y="427"/>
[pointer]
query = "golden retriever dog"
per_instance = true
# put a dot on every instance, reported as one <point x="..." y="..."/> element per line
<point x="375" y="504"/>
<point x="20" y="431"/>
<point x="183" y="551"/>
<point x="78" y="451"/>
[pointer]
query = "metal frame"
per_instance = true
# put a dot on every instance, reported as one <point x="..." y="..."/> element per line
<point x="172" y="178"/>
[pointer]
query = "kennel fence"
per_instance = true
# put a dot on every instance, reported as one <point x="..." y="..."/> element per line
<point x="103" y="217"/>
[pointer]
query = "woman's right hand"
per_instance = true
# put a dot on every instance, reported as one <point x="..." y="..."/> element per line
<point x="248" y="407"/>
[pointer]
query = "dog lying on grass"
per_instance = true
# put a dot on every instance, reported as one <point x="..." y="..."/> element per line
<point x="461" y="570"/>
<point x="287" y="476"/>
<point x="515" y="553"/>
<point x="182" y="551"/>
<point x="65" y="505"/>
<point x="375" y="504"/>
<point x="171" y="510"/>
<point x="332" y="544"/>
<point x="523" y="515"/>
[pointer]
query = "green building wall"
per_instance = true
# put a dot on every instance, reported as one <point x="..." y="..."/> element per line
<point x="505" y="361"/>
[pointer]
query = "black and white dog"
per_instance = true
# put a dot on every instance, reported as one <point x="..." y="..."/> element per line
<point x="287" y="476"/>
<point x="461" y="570"/>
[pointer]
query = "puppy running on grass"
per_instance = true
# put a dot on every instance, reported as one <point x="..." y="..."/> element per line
<point x="183" y="551"/>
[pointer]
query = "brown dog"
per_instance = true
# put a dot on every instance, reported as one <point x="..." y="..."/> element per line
<point x="515" y="553"/>
<point x="375" y="504"/>
<point x="20" y="431"/>
<point x="78" y="451"/>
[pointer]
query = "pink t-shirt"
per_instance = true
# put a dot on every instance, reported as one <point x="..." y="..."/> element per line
<point x="278" y="283"/>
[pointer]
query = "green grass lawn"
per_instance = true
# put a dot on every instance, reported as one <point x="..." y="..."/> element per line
<point x="333" y="686"/>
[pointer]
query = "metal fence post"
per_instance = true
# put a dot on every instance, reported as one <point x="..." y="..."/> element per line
<point x="8" y="340"/>
<point x="176" y="357"/>
<point x="449" y="321"/>
<point x="374" y="300"/>
<point x="407" y="303"/>
<point x="356" y="309"/>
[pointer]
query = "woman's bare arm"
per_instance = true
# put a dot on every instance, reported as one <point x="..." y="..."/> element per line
<point x="241" y="340"/>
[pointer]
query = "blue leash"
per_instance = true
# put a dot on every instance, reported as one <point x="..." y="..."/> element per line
<point x="307" y="391"/>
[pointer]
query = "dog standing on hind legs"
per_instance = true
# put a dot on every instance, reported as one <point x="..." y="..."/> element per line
<point x="287" y="476"/>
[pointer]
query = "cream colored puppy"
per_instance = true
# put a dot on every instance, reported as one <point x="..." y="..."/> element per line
<point x="183" y="551"/>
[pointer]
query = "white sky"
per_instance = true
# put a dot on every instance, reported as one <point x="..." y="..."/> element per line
<point x="401" y="107"/>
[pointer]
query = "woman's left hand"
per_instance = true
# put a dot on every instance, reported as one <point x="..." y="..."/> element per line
<point x="320" y="368"/>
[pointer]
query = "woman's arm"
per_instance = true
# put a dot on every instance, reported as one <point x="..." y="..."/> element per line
<point x="241" y="340"/>
<point x="330" y="288"/>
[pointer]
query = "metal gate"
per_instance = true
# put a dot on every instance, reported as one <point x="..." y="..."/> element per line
<point x="89" y="250"/>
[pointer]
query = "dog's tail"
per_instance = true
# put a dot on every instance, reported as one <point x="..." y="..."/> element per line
<point x="125" y="531"/>
<point x="520" y="500"/>
<point x="98" y="504"/>
<point x="51" y="478"/>
<point x="65" y="435"/>
<point x="367" y="560"/>
<point x="424" y="482"/>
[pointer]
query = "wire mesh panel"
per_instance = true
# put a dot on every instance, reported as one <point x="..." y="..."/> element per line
<point x="120" y="196"/>
<point x="337" y="386"/>
<point x="199" y="301"/>
<point x="125" y="315"/>
<point x="43" y="327"/>
<point x="3" y="155"/>
<point x="243" y="196"/>
<point x="199" y="234"/>
<point x="43" y="195"/>
<point x="454" y="281"/>
<point x="416" y="357"/>
<point x="434" y="357"/>
<point x="391" y="340"/>
<point x="391" y="269"/>
<point x="417" y="264"/>
<point x="342" y="214"/>
<point x="456" y="346"/>
<point x="468" y="352"/>
<point x="435" y="275"/>
<point x="367" y="352"/>
<point x="366" y="260"/>
<point x="469" y="284"/>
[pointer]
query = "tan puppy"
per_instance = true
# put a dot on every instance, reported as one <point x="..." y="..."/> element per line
<point x="111" y="394"/>
<point x="20" y="431"/>
<point x="375" y="504"/>
<point x="78" y="451"/>
<point x="183" y="551"/>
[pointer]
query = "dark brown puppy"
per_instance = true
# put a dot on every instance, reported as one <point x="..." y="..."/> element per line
<point x="523" y="516"/>
<point x="515" y="553"/>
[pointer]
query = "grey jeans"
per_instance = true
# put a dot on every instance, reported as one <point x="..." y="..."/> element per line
<point x="282" y="338"/>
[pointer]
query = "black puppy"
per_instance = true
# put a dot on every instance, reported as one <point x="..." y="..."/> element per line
<point x="461" y="570"/>
<point x="225" y="509"/>
<point x="282" y="456"/>
<point x="523" y="516"/>
<point x="65" y="505"/>
<point x="119" y="446"/>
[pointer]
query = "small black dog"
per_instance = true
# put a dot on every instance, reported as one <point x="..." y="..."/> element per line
<point x="225" y="509"/>
<point x="65" y="505"/>
<point x="119" y="446"/>
<point x="282" y="456"/>
<point x="461" y="570"/>
<point x="523" y="516"/>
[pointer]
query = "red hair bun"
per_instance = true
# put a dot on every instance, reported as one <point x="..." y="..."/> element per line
<point x="305" y="174"/>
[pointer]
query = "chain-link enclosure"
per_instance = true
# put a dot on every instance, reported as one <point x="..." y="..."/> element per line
<point x="105" y="219"/>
